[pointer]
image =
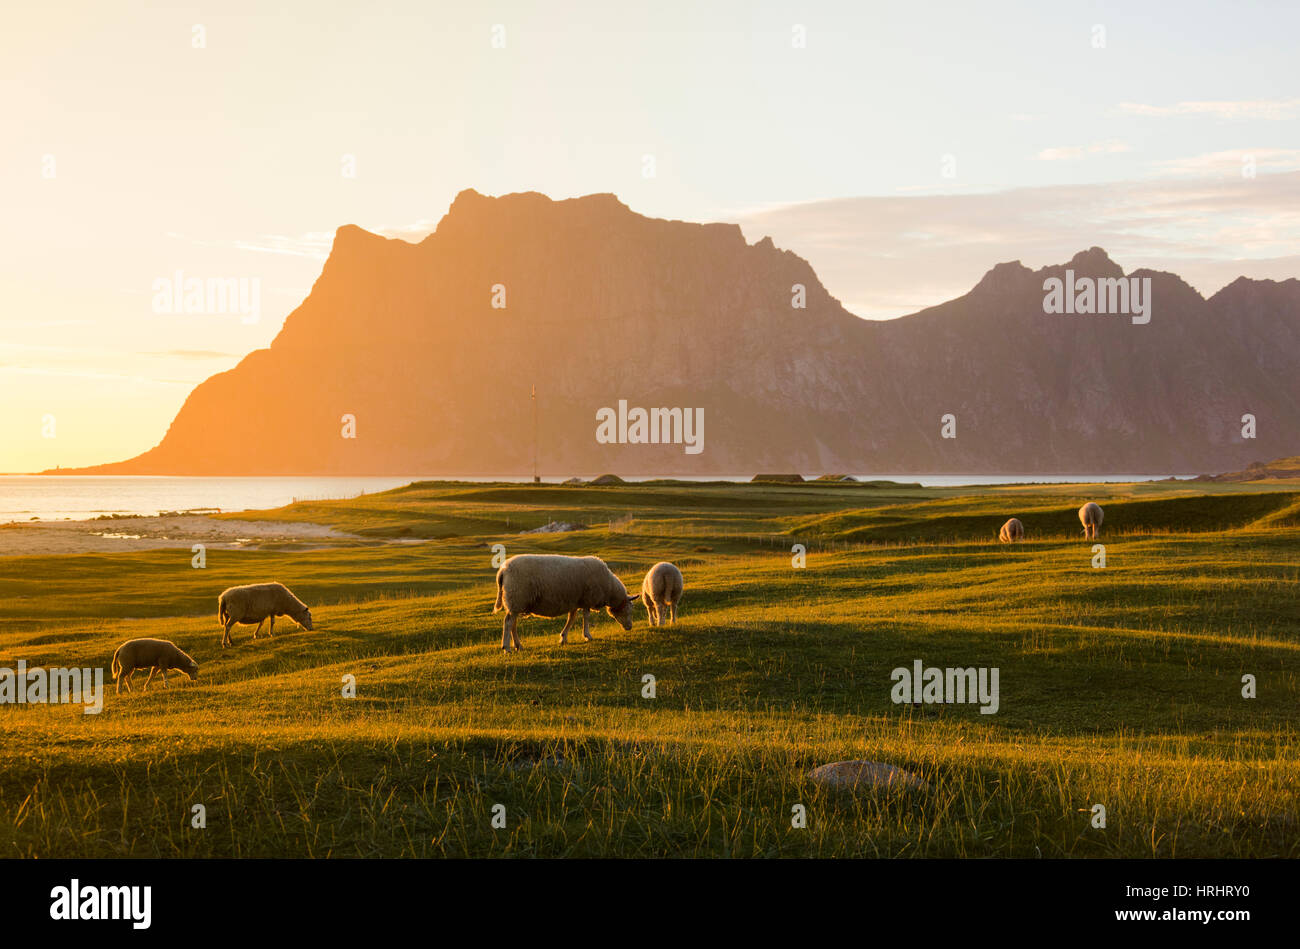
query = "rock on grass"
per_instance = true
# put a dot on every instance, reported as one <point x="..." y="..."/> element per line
<point x="865" y="775"/>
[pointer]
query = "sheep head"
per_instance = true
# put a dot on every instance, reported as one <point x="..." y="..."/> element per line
<point x="621" y="610"/>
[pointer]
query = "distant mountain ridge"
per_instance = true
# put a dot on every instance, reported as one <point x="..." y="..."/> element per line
<point x="602" y="304"/>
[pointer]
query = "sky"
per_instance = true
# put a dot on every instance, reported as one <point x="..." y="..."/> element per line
<point x="903" y="149"/>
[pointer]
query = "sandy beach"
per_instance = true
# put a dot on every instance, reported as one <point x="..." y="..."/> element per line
<point x="112" y="535"/>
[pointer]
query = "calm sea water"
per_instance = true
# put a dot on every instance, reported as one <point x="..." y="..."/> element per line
<point x="56" y="497"/>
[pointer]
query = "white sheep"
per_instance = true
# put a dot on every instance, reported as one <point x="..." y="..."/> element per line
<point x="156" y="655"/>
<point x="256" y="603"/>
<point x="661" y="591"/>
<point x="1090" y="516"/>
<point x="1012" y="531"/>
<point x="553" y="585"/>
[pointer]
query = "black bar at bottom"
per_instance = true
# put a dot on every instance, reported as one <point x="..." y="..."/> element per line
<point x="901" y="897"/>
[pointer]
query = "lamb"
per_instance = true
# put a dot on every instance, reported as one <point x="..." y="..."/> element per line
<point x="156" y="655"/>
<point x="553" y="585"/>
<point x="1090" y="516"/>
<point x="256" y="603"/>
<point x="661" y="591"/>
<point x="1012" y="531"/>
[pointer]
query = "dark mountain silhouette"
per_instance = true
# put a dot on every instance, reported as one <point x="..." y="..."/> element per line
<point x="603" y="304"/>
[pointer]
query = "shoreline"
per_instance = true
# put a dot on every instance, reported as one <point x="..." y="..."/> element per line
<point x="59" y="499"/>
<point x="161" y="532"/>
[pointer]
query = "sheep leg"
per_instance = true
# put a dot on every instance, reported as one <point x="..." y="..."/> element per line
<point x="127" y="677"/>
<point x="150" y="679"/>
<point x="514" y="633"/>
<point x="508" y="630"/>
<point x="259" y="628"/>
<point x="672" y="613"/>
<point x="271" y="631"/>
<point x="564" y="633"/>
<point x="164" y="672"/>
<point x="586" y="625"/>
<point x="226" y="640"/>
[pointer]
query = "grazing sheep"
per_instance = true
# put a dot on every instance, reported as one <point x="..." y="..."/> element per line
<point x="553" y="585"/>
<point x="661" y="591"/>
<point x="1090" y="516"/>
<point x="256" y="603"/>
<point x="1012" y="531"/>
<point x="156" y="655"/>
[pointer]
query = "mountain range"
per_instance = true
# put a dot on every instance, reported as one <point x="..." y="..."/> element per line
<point x="434" y="351"/>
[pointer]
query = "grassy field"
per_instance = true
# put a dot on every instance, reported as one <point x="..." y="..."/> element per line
<point x="1120" y="686"/>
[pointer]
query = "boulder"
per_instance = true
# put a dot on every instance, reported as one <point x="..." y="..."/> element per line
<point x="865" y="775"/>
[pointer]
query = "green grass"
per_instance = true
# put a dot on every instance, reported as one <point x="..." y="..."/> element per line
<point x="1119" y="686"/>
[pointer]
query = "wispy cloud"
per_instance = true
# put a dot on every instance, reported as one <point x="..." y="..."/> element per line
<point x="317" y="244"/>
<point x="1272" y="110"/>
<point x="161" y="367"/>
<point x="191" y="354"/>
<point x="41" y="324"/>
<point x="410" y="232"/>
<point x="1232" y="163"/>
<point x="314" y="244"/>
<point x="92" y="374"/>
<point x="1074" y="152"/>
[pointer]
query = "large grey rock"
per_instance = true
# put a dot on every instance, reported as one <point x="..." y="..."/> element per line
<point x="865" y="775"/>
<point x="554" y="527"/>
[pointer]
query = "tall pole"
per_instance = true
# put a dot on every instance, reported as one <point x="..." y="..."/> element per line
<point x="534" y="398"/>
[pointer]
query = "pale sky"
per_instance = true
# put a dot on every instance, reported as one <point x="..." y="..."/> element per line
<point x="904" y="150"/>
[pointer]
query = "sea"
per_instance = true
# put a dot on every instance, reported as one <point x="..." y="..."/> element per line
<point x="77" y="497"/>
